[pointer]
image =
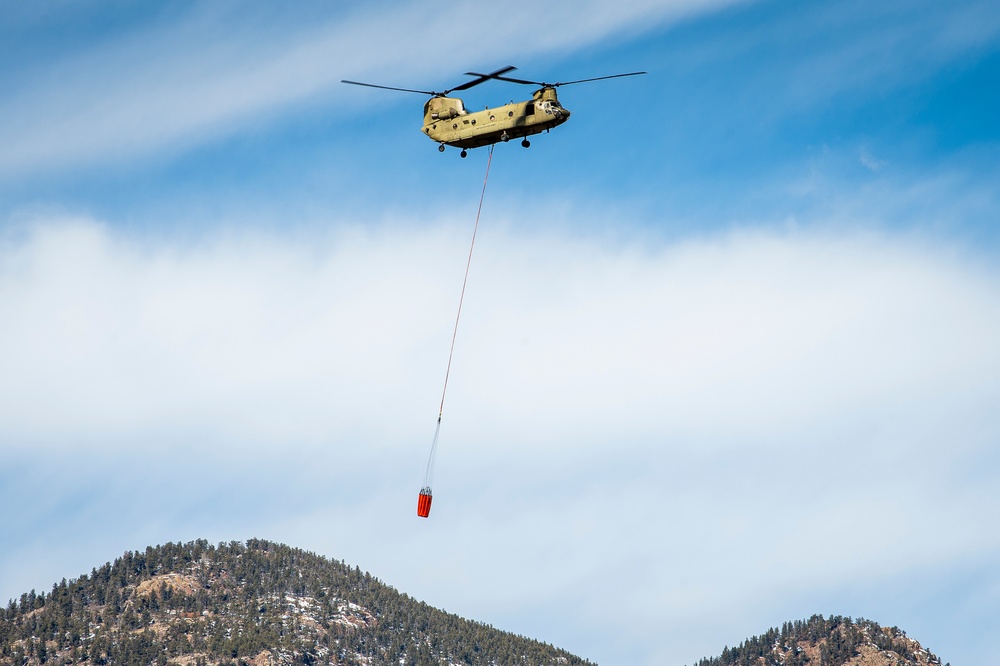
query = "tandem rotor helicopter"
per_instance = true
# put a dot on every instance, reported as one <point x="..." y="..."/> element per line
<point x="447" y="121"/>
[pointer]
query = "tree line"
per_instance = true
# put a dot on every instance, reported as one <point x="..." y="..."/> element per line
<point x="229" y="602"/>
<point x="835" y="641"/>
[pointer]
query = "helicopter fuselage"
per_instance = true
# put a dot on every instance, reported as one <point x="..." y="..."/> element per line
<point x="448" y="122"/>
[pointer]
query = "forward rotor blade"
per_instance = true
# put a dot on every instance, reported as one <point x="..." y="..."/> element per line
<point x="372" y="85"/>
<point x="481" y="78"/>
<point x="511" y="80"/>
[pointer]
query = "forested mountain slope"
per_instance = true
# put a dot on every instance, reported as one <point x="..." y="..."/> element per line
<point x="261" y="604"/>
<point x="834" y="641"/>
<point x="257" y="603"/>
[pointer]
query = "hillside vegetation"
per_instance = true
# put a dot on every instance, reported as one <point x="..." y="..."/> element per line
<point x="237" y="604"/>
<point x="263" y="604"/>
<point x="833" y="641"/>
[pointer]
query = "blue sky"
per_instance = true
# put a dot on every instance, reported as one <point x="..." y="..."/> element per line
<point x="727" y="356"/>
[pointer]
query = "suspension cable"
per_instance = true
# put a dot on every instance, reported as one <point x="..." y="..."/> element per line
<point x="454" y="334"/>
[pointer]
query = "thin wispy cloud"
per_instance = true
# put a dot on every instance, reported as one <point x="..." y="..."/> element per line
<point x="870" y="162"/>
<point x="823" y="52"/>
<point x="175" y="85"/>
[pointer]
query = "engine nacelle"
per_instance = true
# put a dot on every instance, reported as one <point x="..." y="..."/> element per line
<point x="443" y="108"/>
<point x="446" y="114"/>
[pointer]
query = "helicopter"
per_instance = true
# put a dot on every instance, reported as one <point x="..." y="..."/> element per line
<point x="447" y="121"/>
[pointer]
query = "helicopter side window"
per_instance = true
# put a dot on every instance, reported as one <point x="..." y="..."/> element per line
<point x="530" y="108"/>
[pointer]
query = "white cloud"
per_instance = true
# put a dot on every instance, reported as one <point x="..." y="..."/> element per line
<point x="745" y="337"/>
<point x="688" y="429"/>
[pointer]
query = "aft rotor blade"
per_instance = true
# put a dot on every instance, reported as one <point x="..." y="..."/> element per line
<point x="482" y="78"/>
<point x="597" y="78"/>
<point x="372" y="85"/>
<point x="562" y="83"/>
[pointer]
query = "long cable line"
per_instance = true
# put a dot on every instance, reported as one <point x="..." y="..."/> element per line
<point x="424" y="501"/>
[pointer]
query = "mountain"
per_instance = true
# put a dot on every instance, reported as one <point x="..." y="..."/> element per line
<point x="252" y="604"/>
<point x="833" y="641"/>
<point x="263" y="604"/>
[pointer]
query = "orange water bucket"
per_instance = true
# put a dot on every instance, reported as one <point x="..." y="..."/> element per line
<point x="424" y="503"/>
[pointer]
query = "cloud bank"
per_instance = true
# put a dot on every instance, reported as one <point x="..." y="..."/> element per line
<point x="623" y="421"/>
<point x="758" y="336"/>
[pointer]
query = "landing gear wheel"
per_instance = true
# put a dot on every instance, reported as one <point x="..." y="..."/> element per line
<point x="504" y="137"/>
<point x="441" y="148"/>
<point x="465" y="153"/>
<point x="525" y="143"/>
